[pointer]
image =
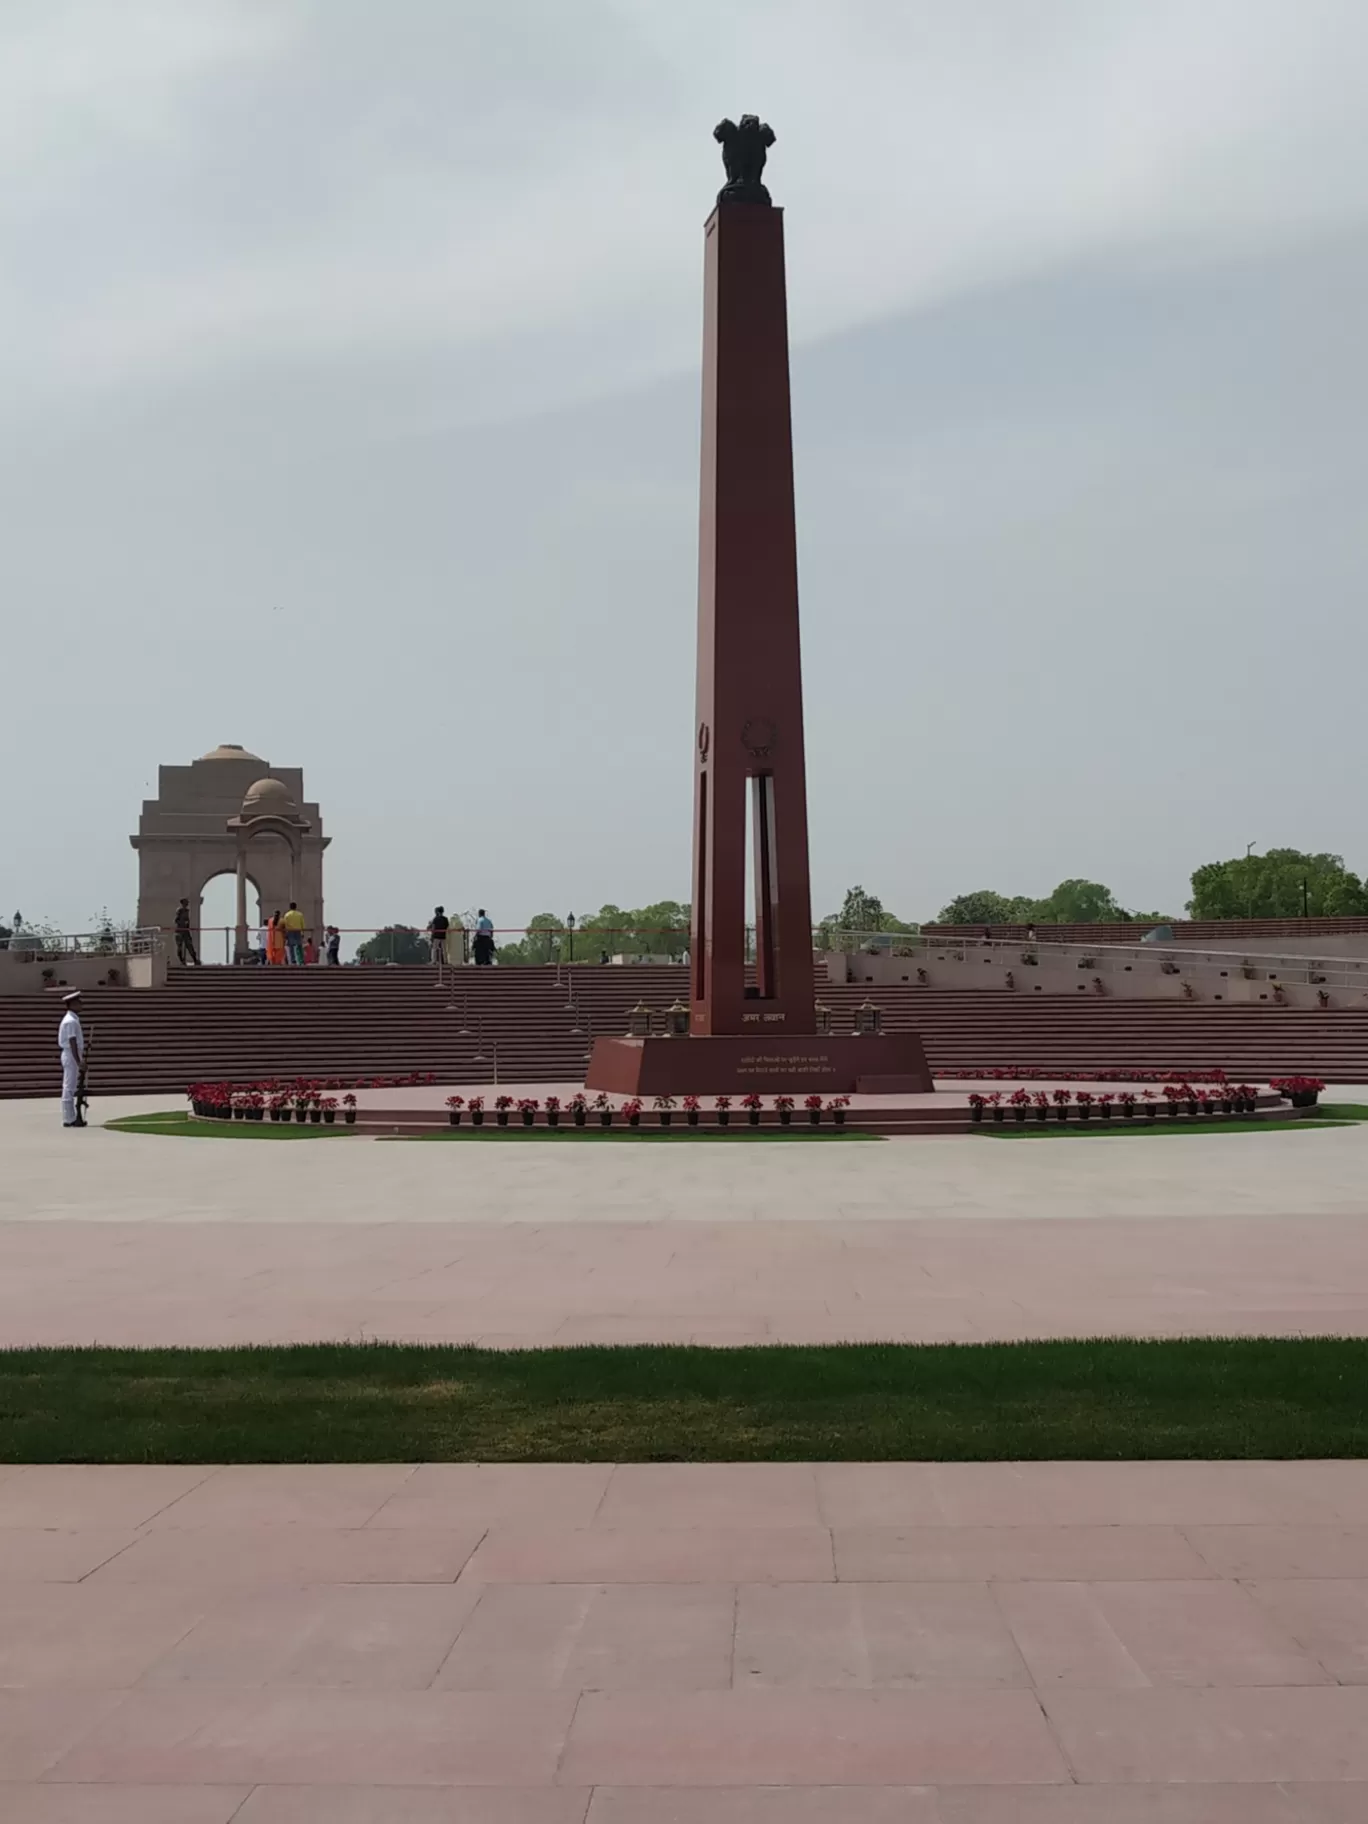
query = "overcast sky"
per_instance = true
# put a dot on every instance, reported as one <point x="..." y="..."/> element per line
<point x="349" y="410"/>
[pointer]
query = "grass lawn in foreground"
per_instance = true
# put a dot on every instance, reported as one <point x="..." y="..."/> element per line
<point x="186" y="1127"/>
<point x="1334" y="1114"/>
<point x="180" y="1126"/>
<point x="1242" y="1397"/>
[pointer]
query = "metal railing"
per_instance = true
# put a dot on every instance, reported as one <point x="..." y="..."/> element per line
<point x="51" y="946"/>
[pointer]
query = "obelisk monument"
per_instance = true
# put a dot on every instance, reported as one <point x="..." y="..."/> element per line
<point x="762" y="1034"/>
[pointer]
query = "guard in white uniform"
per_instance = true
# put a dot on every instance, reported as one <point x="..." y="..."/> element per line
<point x="71" y="1046"/>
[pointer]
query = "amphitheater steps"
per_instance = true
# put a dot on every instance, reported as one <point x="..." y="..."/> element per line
<point x="245" y="1023"/>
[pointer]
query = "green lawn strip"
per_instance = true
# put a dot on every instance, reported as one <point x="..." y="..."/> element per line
<point x="1263" y="1397"/>
<point x="1334" y="1114"/>
<point x="182" y="1127"/>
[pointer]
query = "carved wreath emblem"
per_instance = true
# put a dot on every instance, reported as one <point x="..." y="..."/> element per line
<point x="758" y="737"/>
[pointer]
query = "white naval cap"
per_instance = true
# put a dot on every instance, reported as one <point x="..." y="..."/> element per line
<point x="67" y="999"/>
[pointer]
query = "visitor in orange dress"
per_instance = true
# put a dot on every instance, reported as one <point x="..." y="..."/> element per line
<point x="275" y="940"/>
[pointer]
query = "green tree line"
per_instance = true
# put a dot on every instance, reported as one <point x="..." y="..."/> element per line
<point x="1281" y="883"/>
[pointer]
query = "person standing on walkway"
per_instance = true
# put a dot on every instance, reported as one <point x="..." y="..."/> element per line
<point x="333" y="947"/>
<point x="275" y="940"/>
<point x="294" y="935"/>
<point x="437" y="936"/>
<point x="185" y="940"/>
<point x="71" y="1050"/>
<point x="484" y="939"/>
<point x="263" y="938"/>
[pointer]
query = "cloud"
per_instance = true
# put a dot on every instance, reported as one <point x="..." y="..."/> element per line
<point x="233" y="182"/>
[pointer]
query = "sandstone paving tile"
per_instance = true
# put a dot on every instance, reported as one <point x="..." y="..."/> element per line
<point x="1127" y="1634"/>
<point x="57" y="1555"/>
<point x="101" y="1496"/>
<point x="84" y="1636"/>
<point x="551" y="1495"/>
<point x="600" y="1637"/>
<point x="655" y="1555"/>
<point x="1154" y="1804"/>
<point x="809" y="1738"/>
<point x="1328" y="1616"/>
<point x="878" y="1495"/>
<point x="38" y="1727"/>
<point x="85" y="1804"/>
<point x="262" y="1555"/>
<point x="711" y="1494"/>
<point x="1075" y="1553"/>
<point x="1278" y="1552"/>
<point x="371" y="1636"/>
<point x="1064" y="1637"/>
<point x="1257" y="1734"/>
<point x="413" y="1805"/>
<point x="301" y="1736"/>
<point x="1131" y="1493"/>
<point x="766" y="1805"/>
<point x="287" y="1494"/>
<point x="873" y="1636"/>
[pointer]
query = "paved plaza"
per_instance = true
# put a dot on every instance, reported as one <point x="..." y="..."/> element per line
<point x="125" y="1238"/>
<point x="896" y="1643"/>
<point x="1097" y="1643"/>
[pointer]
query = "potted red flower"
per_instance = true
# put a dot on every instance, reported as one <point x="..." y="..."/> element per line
<point x="349" y="1109"/>
<point x="976" y="1102"/>
<point x="838" y="1106"/>
<point x="579" y="1108"/>
<point x="1019" y="1102"/>
<point x="784" y="1107"/>
<point x="328" y="1108"/>
<point x="995" y="1104"/>
<point x="476" y="1107"/>
<point x="722" y="1104"/>
<point x="454" y="1106"/>
<point x="527" y="1108"/>
<point x="1173" y="1097"/>
<point x="1104" y="1105"/>
<point x="632" y="1110"/>
<point x="1062" y="1099"/>
<point x="1040" y="1102"/>
<point x="752" y="1105"/>
<point x="604" y="1108"/>
<point x="553" y="1111"/>
<point x="813" y="1104"/>
<point x="1085" y="1099"/>
<point x="664" y="1106"/>
<point x="691" y="1106"/>
<point x="502" y="1104"/>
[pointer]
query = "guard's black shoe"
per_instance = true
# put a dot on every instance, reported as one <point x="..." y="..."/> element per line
<point x="77" y="1123"/>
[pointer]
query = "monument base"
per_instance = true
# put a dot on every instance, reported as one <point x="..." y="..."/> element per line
<point x="886" y="1063"/>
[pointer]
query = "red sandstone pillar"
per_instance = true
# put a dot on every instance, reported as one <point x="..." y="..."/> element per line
<point x="750" y="692"/>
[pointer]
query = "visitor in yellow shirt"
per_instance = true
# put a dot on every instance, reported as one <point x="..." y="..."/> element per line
<point x="293" y="922"/>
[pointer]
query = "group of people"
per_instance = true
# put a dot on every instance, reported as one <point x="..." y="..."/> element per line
<point x="284" y="940"/>
<point x="439" y="936"/>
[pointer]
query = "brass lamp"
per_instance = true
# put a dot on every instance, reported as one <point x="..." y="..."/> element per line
<point x="868" y="1018"/>
<point x="677" y="1020"/>
<point x="639" y="1021"/>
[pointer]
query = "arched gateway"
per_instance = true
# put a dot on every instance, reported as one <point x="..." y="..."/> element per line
<point x="229" y="812"/>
